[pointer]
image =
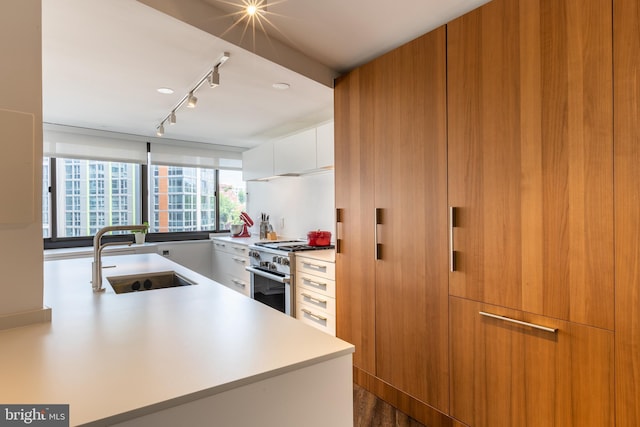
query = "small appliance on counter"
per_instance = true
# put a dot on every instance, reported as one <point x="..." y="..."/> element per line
<point x="319" y="238"/>
<point x="242" y="230"/>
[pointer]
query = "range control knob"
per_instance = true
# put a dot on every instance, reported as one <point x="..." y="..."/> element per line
<point x="284" y="260"/>
<point x="254" y="254"/>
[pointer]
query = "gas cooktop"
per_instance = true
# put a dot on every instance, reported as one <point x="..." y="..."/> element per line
<point x="292" y="246"/>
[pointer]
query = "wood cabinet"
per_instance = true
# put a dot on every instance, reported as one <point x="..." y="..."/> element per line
<point x="511" y="374"/>
<point x="627" y="195"/>
<point x="530" y="161"/>
<point x="391" y="170"/>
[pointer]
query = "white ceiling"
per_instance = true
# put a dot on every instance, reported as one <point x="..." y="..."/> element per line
<point x="104" y="60"/>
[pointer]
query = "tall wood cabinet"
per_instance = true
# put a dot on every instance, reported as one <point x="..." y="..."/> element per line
<point x="526" y="161"/>
<point x="390" y="124"/>
<point x="530" y="166"/>
<point x="531" y="157"/>
<point x="626" y="49"/>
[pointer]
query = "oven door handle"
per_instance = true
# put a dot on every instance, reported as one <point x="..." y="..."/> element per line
<point x="269" y="276"/>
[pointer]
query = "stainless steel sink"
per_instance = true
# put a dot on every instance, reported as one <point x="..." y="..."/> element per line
<point x="148" y="281"/>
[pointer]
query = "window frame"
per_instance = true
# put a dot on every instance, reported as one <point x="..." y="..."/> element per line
<point x="55" y="242"/>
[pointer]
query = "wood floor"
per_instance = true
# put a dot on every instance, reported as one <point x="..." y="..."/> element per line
<point x="369" y="411"/>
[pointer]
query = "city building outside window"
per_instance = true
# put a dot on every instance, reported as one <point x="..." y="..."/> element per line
<point x="91" y="194"/>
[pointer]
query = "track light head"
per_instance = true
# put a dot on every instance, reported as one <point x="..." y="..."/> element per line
<point x="160" y="130"/>
<point x="172" y="118"/>
<point x="214" y="78"/>
<point x="192" y="100"/>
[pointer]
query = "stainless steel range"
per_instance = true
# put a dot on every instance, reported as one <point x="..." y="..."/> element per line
<point x="272" y="266"/>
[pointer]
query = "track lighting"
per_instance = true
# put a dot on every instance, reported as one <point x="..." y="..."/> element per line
<point x="212" y="77"/>
<point x="192" y="100"/>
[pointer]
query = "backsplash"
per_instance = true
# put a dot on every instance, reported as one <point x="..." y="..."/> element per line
<point x="305" y="203"/>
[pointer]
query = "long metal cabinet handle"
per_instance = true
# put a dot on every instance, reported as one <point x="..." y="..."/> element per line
<point x="315" y="316"/>
<point x="452" y="252"/>
<point x="239" y="283"/>
<point x="314" y="299"/>
<point x="378" y="221"/>
<point x="236" y="259"/>
<point x="316" y="266"/>
<point x="314" y="283"/>
<point x="519" y="322"/>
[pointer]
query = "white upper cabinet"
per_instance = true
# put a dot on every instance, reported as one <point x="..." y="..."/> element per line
<point x="257" y="163"/>
<point x="324" y="146"/>
<point x="296" y="153"/>
<point x="304" y="152"/>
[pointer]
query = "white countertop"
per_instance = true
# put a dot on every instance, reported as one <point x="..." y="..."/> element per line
<point x="114" y="357"/>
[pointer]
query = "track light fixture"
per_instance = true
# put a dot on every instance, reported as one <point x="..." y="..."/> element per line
<point x="192" y="100"/>
<point x="212" y="77"/>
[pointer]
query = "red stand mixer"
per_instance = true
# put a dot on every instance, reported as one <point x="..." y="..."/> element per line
<point x="247" y="222"/>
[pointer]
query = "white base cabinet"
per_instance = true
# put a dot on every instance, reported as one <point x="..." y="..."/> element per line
<point x="316" y="292"/>
<point x="228" y="265"/>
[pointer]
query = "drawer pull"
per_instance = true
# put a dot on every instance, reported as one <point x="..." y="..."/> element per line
<point x="317" y="266"/>
<point x="315" y="316"/>
<point x="239" y="249"/>
<point x="241" y="260"/>
<point x="314" y="299"/>
<point x="239" y="283"/>
<point x="222" y="245"/>
<point x="519" y="322"/>
<point x="314" y="283"/>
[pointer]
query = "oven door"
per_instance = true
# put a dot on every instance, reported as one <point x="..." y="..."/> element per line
<point x="271" y="289"/>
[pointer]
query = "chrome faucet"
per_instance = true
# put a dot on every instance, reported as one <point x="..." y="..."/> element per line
<point x="96" y="265"/>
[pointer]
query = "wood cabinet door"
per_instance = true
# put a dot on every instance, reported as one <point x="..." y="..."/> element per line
<point x="530" y="157"/>
<point x="627" y="195"/>
<point x="354" y="188"/>
<point x="410" y="193"/>
<point x="391" y="158"/>
<point x="509" y="374"/>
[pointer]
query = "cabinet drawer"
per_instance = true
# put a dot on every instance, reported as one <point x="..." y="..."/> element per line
<point x="316" y="267"/>
<point x="314" y="317"/>
<point x="515" y="370"/>
<point x="236" y="266"/>
<point x="231" y="248"/>
<point x="316" y="300"/>
<point x="240" y="284"/>
<point x="317" y="284"/>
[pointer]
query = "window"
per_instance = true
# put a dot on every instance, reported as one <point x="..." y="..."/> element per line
<point x="233" y="197"/>
<point x="93" y="178"/>
<point x="46" y="217"/>
<point x="92" y="194"/>
<point x="184" y="199"/>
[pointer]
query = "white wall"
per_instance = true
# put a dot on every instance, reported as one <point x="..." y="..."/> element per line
<point x="306" y="203"/>
<point x="21" y="282"/>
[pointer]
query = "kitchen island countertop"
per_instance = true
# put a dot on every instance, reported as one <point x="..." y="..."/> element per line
<point x="116" y="357"/>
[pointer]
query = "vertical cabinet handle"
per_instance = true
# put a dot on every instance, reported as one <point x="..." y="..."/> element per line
<point x="452" y="252"/>
<point x="338" y="230"/>
<point x="378" y="221"/>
